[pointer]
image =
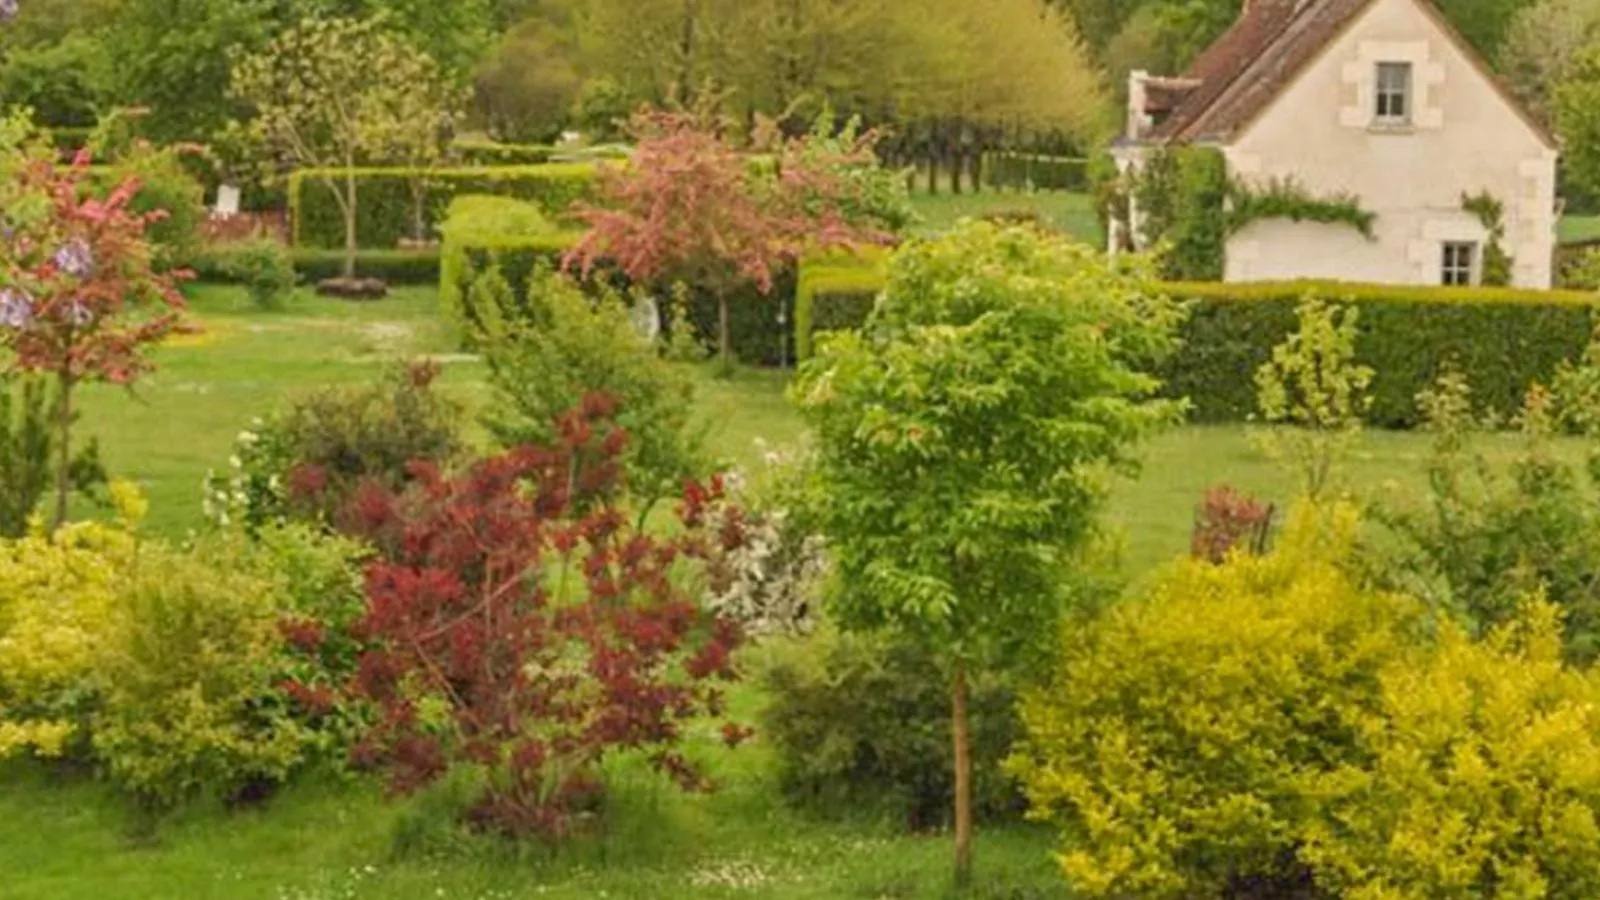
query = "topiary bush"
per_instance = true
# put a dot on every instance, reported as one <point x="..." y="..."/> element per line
<point x="861" y="725"/>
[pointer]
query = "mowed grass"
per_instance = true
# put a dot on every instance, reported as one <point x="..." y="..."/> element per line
<point x="1070" y="213"/>
<point x="64" y="837"/>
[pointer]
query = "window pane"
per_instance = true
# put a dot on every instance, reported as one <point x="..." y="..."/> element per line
<point x="1393" y="91"/>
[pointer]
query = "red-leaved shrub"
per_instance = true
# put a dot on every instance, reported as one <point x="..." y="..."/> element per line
<point x="1227" y="519"/>
<point x="518" y="624"/>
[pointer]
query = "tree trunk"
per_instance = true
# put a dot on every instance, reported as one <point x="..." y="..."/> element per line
<point x="933" y="158"/>
<point x="64" y="447"/>
<point x="350" y="241"/>
<point x="724" y="340"/>
<point x="963" y="752"/>
<point x="975" y="171"/>
<point x="686" y="51"/>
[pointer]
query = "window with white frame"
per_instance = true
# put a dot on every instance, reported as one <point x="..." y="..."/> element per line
<point x="1393" y="94"/>
<point x="1460" y="263"/>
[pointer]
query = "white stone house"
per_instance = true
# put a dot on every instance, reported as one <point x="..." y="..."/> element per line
<point x="1379" y="99"/>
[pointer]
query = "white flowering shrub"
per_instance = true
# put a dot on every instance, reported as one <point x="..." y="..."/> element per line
<point x="771" y="579"/>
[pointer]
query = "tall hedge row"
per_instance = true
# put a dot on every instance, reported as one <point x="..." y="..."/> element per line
<point x="835" y="293"/>
<point x="1504" y="339"/>
<point x="385" y="205"/>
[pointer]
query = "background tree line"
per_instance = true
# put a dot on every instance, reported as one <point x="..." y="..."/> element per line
<point x="947" y="79"/>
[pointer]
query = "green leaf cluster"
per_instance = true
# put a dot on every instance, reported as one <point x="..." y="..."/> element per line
<point x="1491" y="213"/>
<point x="962" y="437"/>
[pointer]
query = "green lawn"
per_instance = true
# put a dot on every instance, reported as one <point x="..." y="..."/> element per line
<point x="64" y="838"/>
<point x="1580" y="228"/>
<point x="1070" y="213"/>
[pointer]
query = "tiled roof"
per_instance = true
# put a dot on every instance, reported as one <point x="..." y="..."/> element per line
<point x="1256" y="59"/>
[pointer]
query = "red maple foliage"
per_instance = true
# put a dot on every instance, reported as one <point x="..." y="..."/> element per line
<point x="80" y="298"/>
<point x="516" y="623"/>
<point x="690" y="207"/>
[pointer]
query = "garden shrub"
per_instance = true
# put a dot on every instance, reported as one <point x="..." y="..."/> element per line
<point x="1491" y="530"/>
<point x="1271" y="728"/>
<point x="386" y="205"/>
<point x="566" y="346"/>
<point x="302" y="461"/>
<point x="58" y="591"/>
<point x="523" y="633"/>
<point x="263" y="266"/>
<point x="861" y="725"/>
<point x="165" y="185"/>
<point x="1227" y="522"/>
<point x="184" y="671"/>
<point x="1175" y="746"/>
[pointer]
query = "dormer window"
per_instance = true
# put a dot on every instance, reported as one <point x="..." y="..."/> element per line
<point x="1393" y="95"/>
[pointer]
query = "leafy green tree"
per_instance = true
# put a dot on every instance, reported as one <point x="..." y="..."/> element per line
<point x="1540" y="44"/>
<point x="336" y="94"/>
<point x="960" y="444"/>
<point x="1577" y="114"/>
<point x="527" y="89"/>
<point x="171" y="56"/>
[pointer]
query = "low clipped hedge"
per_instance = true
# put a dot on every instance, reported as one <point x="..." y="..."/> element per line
<point x="410" y="267"/>
<point x="835" y="293"/>
<point x="1504" y="339"/>
<point x="384" y="200"/>
<point x="393" y="266"/>
<point x="494" y="153"/>
<point x="1035" y="171"/>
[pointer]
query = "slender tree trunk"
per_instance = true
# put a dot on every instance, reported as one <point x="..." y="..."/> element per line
<point x="686" y="51"/>
<point x="975" y="170"/>
<point x="958" y="162"/>
<point x="933" y="158"/>
<point x="961" y="736"/>
<point x="350" y="241"/>
<point x="64" y="413"/>
<point x="724" y="340"/>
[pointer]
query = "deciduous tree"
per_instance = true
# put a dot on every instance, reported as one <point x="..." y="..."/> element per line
<point x="689" y="207"/>
<point x="339" y="93"/>
<point x="960" y="439"/>
<point x="80" y="299"/>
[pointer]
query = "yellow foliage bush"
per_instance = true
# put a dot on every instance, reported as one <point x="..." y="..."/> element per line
<point x="1270" y="726"/>
<point x="185" y="676"/>
<point x="56" y="594"/>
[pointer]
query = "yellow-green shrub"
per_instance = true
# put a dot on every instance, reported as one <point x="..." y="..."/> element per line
<point x="1172" y="752"/>
<point x="1484" y="778"/>
<point x="57" y="592"/>
<point x="1270" y="727"/>
<point x="185" y="675"/>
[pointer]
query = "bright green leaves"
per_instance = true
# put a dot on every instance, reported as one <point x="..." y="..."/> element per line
<point x="963" y="437"/>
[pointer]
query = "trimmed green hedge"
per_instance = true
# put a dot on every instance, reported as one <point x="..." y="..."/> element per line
<point x="1035" y="171"/>
<point x="1504" y="339"/>
<point x="835" y="293"/>
<point x="384" y="201"/>
<point x="394" y="266"/>
<point x="494" y="153"/>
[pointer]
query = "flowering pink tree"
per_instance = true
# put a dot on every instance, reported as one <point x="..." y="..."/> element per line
<point x="79" y="298"/>
<point x="690" y="207"/>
